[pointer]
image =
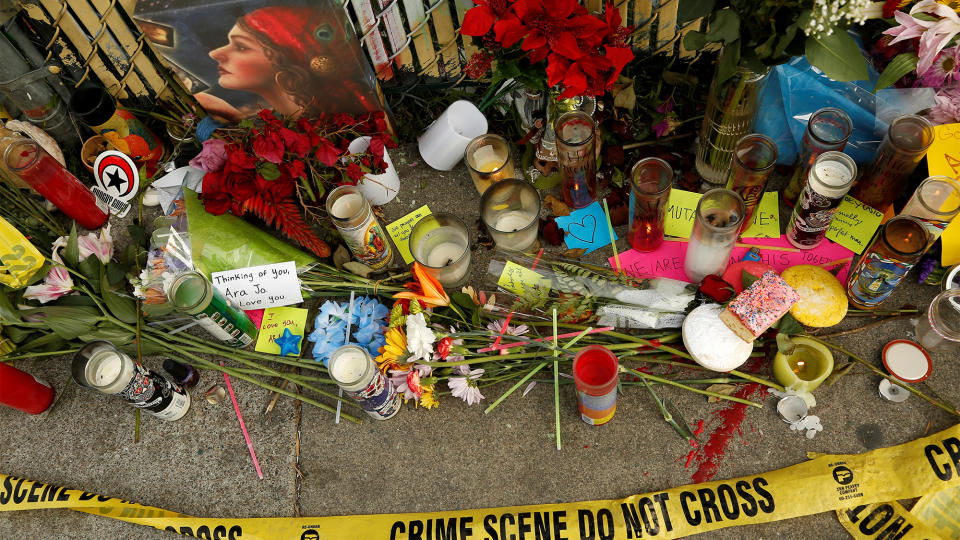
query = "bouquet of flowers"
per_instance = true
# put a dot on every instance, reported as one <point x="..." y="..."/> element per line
<point x="266" y="166"/>
<point x="584" y="54"/>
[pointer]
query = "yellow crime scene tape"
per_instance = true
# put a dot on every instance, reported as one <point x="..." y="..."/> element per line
<point x="857" y="485"/>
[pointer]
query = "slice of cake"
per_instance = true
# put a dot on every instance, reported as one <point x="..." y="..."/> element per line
<point x="759" y="306"/>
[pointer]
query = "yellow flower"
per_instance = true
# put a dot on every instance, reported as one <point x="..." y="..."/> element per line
<point x="392" y="352"/>
<point x="427" y="401"/>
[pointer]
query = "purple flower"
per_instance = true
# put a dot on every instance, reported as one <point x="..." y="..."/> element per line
<point x="661" y="128"/>
<point x="466" y="388"/>
<point x="212" y="157"/>
<point x="947" y="109"/>
<point x="665" y="107"/>
<point x="945" y="69"/>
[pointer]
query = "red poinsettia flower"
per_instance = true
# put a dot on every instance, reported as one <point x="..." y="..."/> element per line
<point x="327" y="153"/>
<point x="274" y="191"/>
<point x="617" y="34"/>
<point x="294" y="168"/>
<point x="269" y="146"/>
<point x="297" y="143"/>
<point x="354" y="171"/>
<point x="482" y="17"/>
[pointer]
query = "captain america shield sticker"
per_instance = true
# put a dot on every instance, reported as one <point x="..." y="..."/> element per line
<point x="118" y="181"/>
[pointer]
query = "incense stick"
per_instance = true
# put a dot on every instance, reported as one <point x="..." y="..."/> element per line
<point x="243" y="426"/>
<point x="613" y="241"/>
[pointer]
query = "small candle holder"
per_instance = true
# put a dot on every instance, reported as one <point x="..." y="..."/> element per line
<point x="753" y="159"/>
<point x="441" y="244"/>
<point x="354" y="219"/>
<point x="489" y="160"/>
<point x="576" y="145"/>
<point x="806" y="368"/>
<point x="651" y="180"/>
<point x="716" y="225"/>
<point x="510" y="209"/>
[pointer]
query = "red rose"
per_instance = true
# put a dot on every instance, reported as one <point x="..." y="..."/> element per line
<point x="269" y="146"/>
<point x="443" y="347"/>
<point x="274" y="191"/>
<point x="216" y="203"/>
<point x="240" y="185"/>
<point x="212" y="183"/>
<point x="716" y="288"/>
<point x="239" y="160"/>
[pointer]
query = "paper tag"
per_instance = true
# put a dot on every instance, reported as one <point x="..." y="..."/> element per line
<point x="943" y="156"/>
<point x="523" y="281"/>
<point x="586" y="228"/>
<point x="766" y="218"/>
<point x="681" y="210"/>
<point x="400" y="230"/>
<point x="854" y="224"/>
<point x="118" y="181"/>
<point x="275" y="321"/>
<point x="255" y="287"/>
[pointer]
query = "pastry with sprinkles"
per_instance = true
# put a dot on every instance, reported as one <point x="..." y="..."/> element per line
<point x="759" y="306"/>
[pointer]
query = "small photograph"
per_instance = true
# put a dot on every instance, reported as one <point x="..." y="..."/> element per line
<point x="191" y="82"/>
<point x="159" y="34"/>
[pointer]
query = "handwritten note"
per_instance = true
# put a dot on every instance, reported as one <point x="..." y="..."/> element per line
<point x="256" y="287"/>
<point x="854" y="224"/>
<point x="766" y="218"/>
<point x="681" y="209"/>
<point x="275" y="321"/>
<point x="943" y="156"/>
<point x="400" y="230"/>
<point x="586" y="228"/>
<point x="523" y="281"/>
<point x="667" y="261"/>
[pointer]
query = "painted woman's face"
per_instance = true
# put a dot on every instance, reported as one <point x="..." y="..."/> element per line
<point x="242" y="63"/>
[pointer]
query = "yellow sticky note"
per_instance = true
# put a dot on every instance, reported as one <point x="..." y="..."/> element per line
<point x="681" y="209"/>
<point x="400" y="230"/>
<point x="523" y="281"/>
<point x="854" y="224"/>
<point x="950" y="244"/>
<point x="275" y="321"/>
<point x="943" y="156"/>
<point x="766" y="218"/>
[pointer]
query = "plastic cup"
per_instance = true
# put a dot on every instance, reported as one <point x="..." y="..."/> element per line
<point x="443" y="143"/>
<point x="595" y="371"/>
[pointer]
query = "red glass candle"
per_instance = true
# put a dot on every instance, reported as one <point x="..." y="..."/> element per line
<point x="23" y="391"/>
<point x="651" y="179"/>
<point x="34" y="166"/>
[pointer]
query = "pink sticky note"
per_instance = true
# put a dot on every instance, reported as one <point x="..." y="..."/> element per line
<point x="668" y="260"/>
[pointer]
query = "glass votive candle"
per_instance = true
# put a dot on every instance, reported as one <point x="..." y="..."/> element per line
<point x="441" y="244"/>
<point x="511" y="209"/>
<point x="489" y="160"/>
<point x="753" y="159"/>
<point x="650" y="183"/>
<point x="353" y="217"/>
<point x="935" y="202"/>
<point x="715" y="228"/>
<point x="940" y="329"/>
<point x="576" y="153"/>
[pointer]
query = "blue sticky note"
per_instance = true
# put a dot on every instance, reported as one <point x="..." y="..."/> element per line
<point x="586" y="228"/>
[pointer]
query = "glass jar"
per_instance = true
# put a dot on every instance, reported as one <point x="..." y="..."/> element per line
<point x="830" y="178"/>
<point x="828" y="129"/>
<point x="753" y="159"/>
<point x="894" y="250"/>
<point x="441" y="244"/>
<point x="354" y="219"/>
<point x="715" y="228"/>
<point x="576" y="141"/>
<point x="489" y="160"/>
<point x="35" y="167"/>
<point x="731" y="105"/>
<point x="940" y="329"/>
<point x="650" y="182"/>
<point x="935" y="202"/>
<point x="905" y="144"/>
<point x="510" y="209"/>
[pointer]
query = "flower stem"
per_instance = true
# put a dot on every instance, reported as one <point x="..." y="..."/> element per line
<point x="692" y="389"/>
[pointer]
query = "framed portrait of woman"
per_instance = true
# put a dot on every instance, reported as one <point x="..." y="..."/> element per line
<point x="237" y="56"/>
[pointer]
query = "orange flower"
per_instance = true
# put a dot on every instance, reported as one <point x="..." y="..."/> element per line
<point x="427" y="289"/>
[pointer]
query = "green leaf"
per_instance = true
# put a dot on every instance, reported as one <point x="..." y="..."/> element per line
<point x="694" y="40"/>
<point x="17" y="335"/>
<point x="40" y="274"/>
<point x="548" y="181"/>
<point x="838" y="56"/>
<point x="71" y="253"/>
<point x="90" y="268"/>
<point x="269" y="171"/>
<point x="725" y="26"/>
<point x="785" y="345"/>
<point x="747" y="278"/>
<point x="115" y="273"/>
<point x="789" y="326"/>
<point x="901" y="64"/>
<point x="8" y="313"/>
<point x="749" y="60"/>
<point x="688" y="10"/>
<point x="729" y="60"/>
<point x="68" y="322"/>
<point x="108" y="331"/>
<point x="246" y="123"/>
<point x="784" y="41"/>
<point x="45" y="342"/>
<point x="120" y="305"/>
<point x="138" y="234"/>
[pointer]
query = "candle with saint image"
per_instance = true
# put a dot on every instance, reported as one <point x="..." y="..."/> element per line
<point x="489" y="160"/>
<point x="510" y="209"/>
<point x="441" y="244"/>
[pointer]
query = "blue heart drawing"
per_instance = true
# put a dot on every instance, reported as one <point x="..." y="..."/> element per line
<point x="590" y="229"/>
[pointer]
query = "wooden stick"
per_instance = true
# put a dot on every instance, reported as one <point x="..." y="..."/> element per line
<point x="613" y="241"/>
